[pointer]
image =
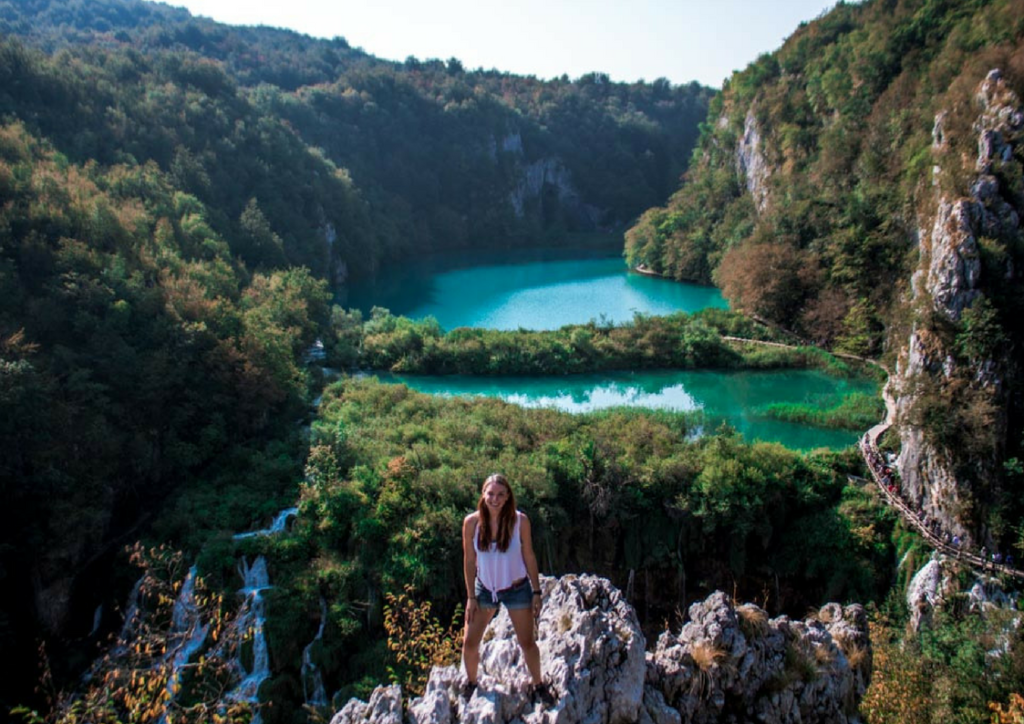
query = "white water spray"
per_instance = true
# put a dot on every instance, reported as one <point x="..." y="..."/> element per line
<point x="250" y="623"/>
<point x="312" y="681"/>
<point x="278" y="525"/>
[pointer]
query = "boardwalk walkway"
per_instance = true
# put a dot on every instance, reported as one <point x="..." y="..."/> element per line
<point x="873" y="457"/>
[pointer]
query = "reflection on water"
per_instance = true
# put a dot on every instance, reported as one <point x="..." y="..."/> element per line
<point x="736" y="398"/>
<point x="534" y="289"/>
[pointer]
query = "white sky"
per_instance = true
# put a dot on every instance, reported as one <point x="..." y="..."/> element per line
<point x="682" y="40"/>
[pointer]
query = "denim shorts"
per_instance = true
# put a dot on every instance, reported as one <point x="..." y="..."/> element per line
<point x="518" y="597"/>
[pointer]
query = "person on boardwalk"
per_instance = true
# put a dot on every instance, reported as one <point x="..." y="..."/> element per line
<point x="500" y="568"/>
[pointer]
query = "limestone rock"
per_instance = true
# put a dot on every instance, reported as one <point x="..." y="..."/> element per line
<point x="948" y="280"/>
<point x="737" y="665"/>
<point x="551" y="172"/>
<point x="750" y="161"/>
<point x="384" y="707"/>
<point x="726" y="664"/>
<point x="930" y="588"/>
<point x="937" y="585"/>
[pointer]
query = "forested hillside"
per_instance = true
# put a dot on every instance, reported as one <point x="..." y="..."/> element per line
<point x="862" y="187"/>
<point x="442" y="156"/>
<point x="177" y="198"/>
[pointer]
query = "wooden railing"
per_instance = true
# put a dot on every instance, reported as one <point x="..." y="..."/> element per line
<point x="873" y="457"/>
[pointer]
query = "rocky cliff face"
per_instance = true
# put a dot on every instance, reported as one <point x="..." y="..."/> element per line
<point x="533" y="180"/>
<point x="949" y="279"/>
<point x="550" y="174"/>
<point x="726" y="664"/>
<point x="751" y="163"/>
<point x="937" y="585"/>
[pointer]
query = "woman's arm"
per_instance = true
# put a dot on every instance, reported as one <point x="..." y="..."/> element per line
<point x="530" y="559"/>
<point x="469" y="564"/>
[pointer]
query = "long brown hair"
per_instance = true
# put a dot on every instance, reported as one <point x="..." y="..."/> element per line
<point x="506" y="518"/>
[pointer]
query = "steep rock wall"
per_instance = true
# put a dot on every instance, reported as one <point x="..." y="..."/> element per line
<point x="551" y="174"/>
<point x="751" y="163"/>
<point x="948" y="481"/>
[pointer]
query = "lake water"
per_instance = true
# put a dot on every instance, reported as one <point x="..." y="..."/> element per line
<point x="528" y="289"/>
<point x="733" y="397"/>
<point x="549" y="288"/>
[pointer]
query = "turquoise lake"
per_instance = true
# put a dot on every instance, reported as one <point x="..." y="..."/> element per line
<point x="528" y="289"/>
<point x="549" y="288"/>
<point x="737" y="398"/>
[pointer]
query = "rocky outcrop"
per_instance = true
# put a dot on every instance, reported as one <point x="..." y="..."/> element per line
<point x="750" y="161"/>
<point x="737" y="665"/>
<point x="937" y="586"/>
<point x="726" y="664"/>
<point x="929" y="589"/>
<point x="551" y="174"/>
<point x="948" y="281"/>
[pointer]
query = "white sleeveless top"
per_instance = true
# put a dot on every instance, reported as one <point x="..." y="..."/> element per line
<point x="496" y="570"/>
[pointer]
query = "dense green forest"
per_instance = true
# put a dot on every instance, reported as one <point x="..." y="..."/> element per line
<point x="441" y="156"/>
<point x="675" y="341"/>
<point x="179" y="199"/>
<point x="825" y="243"/>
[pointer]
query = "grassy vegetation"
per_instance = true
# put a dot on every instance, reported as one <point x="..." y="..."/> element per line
<point x="855" y="411"/>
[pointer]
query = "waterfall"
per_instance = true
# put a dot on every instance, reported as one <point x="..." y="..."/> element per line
<point x="250" y="622"/>
<point x="97" y="619"/>
<point x="282" y="518"/>
<point x="312" y="681"/>
<point x="131" y="618"/>
<point x="277" y="526"/>
<point x="187" y="633"/>
<point x="315" y="353"/>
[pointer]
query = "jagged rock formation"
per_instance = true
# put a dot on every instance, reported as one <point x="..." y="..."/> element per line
<point x="751" y="163"/>
<point x="936" y="586"/>
<point x="726" y="664"/>
<point x="737" y="665"/>
<point x="928" y="589"/>
<point x="948" y="280"/>
<point x="549" y="175"/>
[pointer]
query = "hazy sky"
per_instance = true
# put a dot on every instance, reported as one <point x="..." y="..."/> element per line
<point x="682" y="40"/>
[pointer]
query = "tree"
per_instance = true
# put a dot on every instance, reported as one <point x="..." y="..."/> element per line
<point x="261" y="246"/>
<point x="767" y="279"/>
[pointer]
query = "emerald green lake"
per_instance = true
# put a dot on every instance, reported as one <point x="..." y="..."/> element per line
<point x="733" y="397"/>
<point x="528" y="289"/>
<point x="548" y="288"/>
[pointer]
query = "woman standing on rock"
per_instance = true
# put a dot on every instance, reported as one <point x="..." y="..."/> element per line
<point x="500" y="568"/>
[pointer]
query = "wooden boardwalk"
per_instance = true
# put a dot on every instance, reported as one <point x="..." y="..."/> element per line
<point x="873" y="457"/>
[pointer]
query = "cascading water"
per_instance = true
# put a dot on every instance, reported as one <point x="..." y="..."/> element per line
<point x="250" y="622"/>
<point x="131" y="618"/>
<point x="279" y="523"/>
<point x="188" y="634"/>
<point x="312" y="681"/>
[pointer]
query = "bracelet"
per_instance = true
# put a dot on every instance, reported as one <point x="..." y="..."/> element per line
<point x="536" y="593"/>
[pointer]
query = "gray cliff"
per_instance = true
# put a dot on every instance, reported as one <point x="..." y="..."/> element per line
<point x="751" y="163"/>
<point x="726" y="664"/>
<point x="953" y="480"/>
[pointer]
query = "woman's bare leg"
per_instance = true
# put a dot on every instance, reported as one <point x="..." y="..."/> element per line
<point x="522" y="622"/>
<point x="471" y="642"/>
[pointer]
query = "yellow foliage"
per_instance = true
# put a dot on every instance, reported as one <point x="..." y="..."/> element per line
<point x="1012" y="714"/>
<point x="900" y="688"/>
<point x="417" y="641"/>
<point x="132" y="684"/>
